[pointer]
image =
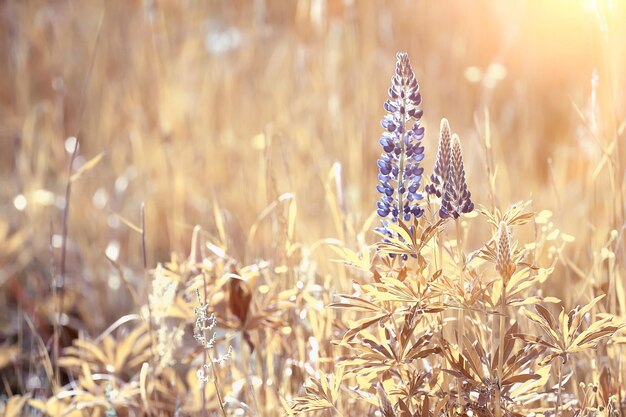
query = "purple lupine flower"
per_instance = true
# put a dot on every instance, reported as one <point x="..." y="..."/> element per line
<point x="399" y="171"/>
<point x="440" y="174"/>
<point x="456" y="197"/>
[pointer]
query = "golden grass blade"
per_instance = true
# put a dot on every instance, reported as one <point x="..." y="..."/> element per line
<point x="86" y="167"/>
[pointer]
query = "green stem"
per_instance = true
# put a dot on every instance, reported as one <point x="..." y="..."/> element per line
<point x="217" y="389"/>
<point x="400" y="178"/>
<point x="461" y="314"/>
<point x="442" y="314"/>
<point x="401" y="171"/>
<point x="501" y="349"/>
<point x="558" y="395"/>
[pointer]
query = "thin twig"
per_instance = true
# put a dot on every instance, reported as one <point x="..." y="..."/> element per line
<point x="59" y="285"/>
<point x="144" y="257"/>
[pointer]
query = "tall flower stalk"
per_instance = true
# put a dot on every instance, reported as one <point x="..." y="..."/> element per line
<point x="448" y="182"/>
<point x="399" y="172"/>
<point x="505" y="267"/>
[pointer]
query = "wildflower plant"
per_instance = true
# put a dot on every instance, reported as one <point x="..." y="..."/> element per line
<point x="400" y="352"/>
<point x="400" y="173"/>
<point x="206" y="337"/>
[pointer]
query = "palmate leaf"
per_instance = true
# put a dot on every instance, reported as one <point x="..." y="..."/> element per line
<point x="520" y="361"/>
<point x="477" y="362"/>
<point x="321" y="393"/>
<point x="514" y="216"/>
<point x="379" y="349"/>
<point x="387" y="298"/>
<point x="120" y="356"/>
<point x="509" y="343"/>
<point x="563" y="336"/>
<point x="519" y="367"/>
<point x="518" y="302"/>
<point x="360" y="304"/>
<point x="360" y="325"/>
<point x="459" y="366"/>
<point x="530" y="390"/>
<point x="535" y="340"/>
<point x="404" y="241"/>
<point x="395" y="245"/>
<point x="479" y="370"/>
<point x="419" y="349"/>
<point x="422" y="409"/>
<point x="547" y="325"/>
<point x="378" y="356"/>
<point x="307" y="404"/>
<point x="577" y="318"/>
<point x="356" y="303"/>
<point x="362" y="261"/>
<point x="411" y="292"/>
<point x="520" y="378"/>
<point x="524" y="278"/>
<point x="591" y="336"/>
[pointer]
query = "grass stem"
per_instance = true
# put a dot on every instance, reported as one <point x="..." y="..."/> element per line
<point x="557" y="409"/>
<point x="498" y="403"/>
<point x="461" y="313"/>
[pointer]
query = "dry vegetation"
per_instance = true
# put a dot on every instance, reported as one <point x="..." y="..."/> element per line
<point x="210" y="244"/>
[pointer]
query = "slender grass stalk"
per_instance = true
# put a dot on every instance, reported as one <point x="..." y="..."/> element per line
<point x="461" y="313"/>
<point x="497" y="405"/>
<point x="205" y="354"/>
<point x="559" y="388"/>
<point x="505" y="267"/>
<point x="245" y="359"/>
<point x="61" y="283"/>
<point x="217" y="388"/>
<point x="59" y="287"/>
<point x="442" y="314"/>
<point x="456" y="199"/>
<point x="203" y="333"/>
<point x="144" y="258"/>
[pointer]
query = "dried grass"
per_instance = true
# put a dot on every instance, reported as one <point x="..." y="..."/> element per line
<point x="258" y="123"/>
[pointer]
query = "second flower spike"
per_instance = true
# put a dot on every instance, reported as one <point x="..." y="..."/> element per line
<point x="456" y="197"/>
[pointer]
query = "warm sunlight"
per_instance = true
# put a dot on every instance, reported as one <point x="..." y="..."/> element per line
<point x="327" y="208"/>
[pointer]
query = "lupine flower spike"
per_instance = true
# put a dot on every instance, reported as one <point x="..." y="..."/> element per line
<point x="456" y="197"/>
<point x="440" y="174"/>
<point x="504" y="259"/>
<point x="399" y="171"/>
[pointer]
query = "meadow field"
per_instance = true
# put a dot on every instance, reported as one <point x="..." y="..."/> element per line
<point x="341" y="208"/>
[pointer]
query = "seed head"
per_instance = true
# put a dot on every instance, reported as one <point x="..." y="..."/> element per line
<point x="440" y="174"/>
<point x="456" y="197"/>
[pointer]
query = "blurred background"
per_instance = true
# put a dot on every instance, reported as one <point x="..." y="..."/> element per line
<point x="208" y="112"/>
